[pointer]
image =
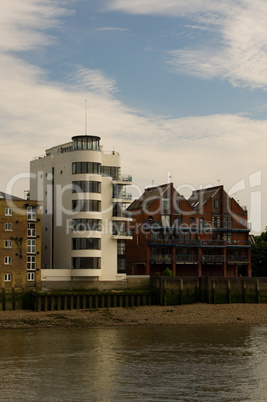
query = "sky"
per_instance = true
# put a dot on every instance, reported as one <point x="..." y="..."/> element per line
<point x="178" y="88"/>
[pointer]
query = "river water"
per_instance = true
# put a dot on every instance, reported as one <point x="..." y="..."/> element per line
<point x="172" y="363"/>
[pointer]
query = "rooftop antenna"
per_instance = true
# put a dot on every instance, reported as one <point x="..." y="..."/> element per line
<point x="85" y="116"/>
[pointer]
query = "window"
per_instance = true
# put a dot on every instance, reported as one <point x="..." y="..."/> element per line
<point x="165" y="220"/>
<point x="111" y="171"/>
<point x="228" y="222"/>
<point x="31" y="246"/>
<point x="8" y="260"/>
<point x="86" y="243"/>
<point x="165" y="205"/>
<point x="86" y="143"/>
<point x="31" y="262"/>
<point x="8" y="243"/>
<point x="8" y="226"/>
<point x="86" y="187"/>
<point x="31" y="213"/>
<point x="119" y="210"/>
<point x="216" y="204"/>
<point x="82" y="225"/>
<point x="8" y="211"/>
<point x="216" y="221"/>
<point x="85" y="167"/>
<point x="86" y="262"/>
<point x="86" y="205"/>
<point x="31" y="231"/>
<point x="31" y="276"/>
<point x="7" y="278"/>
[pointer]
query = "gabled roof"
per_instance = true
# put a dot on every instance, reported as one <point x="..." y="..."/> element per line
<point x="5" y="196"/>
<point x="199" y="197"/>
<point x="150" y="195"/>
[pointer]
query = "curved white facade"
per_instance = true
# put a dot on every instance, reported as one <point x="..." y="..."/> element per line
<point x="83" y="194"/>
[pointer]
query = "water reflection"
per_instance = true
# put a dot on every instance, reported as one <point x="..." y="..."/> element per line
<point x="138" y="363"/>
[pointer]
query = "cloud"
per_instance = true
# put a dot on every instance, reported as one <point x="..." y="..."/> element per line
<point x="23" y="23"/>
<point x="114" y="29"/>
<point x="92" y="80"/>
<point x="235" y="50"/>
<point x="36" y="114"/>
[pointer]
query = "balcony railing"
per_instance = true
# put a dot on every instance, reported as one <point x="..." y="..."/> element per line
<point x="182" y="258"/>
<point x="121" y="196"/>
<point x="217" y="259"/>
<point x="121" y="214"/>
<point x="160" y="242"/>
<point x="161" y="259"/>
<point x="238" y="243"/>
<point x="122" y="233"/>
<point x="123" y="177"/>
<point x="206" y="226"/>
<point x="237" y="258"/>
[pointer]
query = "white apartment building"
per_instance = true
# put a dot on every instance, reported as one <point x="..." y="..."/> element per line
<point x="84" y="220"/>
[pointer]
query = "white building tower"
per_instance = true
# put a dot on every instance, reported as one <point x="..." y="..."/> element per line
<point x="84" y="223"/>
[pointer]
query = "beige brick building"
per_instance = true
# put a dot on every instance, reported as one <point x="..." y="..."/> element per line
<point x="20" y="243"/>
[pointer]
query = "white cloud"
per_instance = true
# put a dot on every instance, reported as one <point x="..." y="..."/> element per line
<point x="22" y="23"/>
<point x="93" y="80"/>
<point x="36" y="114"/>
<point x="240" y="52"/>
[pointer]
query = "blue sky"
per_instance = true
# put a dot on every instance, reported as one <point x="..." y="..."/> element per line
<point x="177" y="87"/>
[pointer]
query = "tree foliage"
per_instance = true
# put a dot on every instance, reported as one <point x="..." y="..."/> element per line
<point x="259" y="255"/>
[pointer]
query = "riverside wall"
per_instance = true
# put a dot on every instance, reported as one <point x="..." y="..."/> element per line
<point x="138" y="291"/>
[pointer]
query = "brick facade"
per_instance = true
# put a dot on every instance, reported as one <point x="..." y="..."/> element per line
<point x="206" y="235"/>
<point x="20" y="243"/>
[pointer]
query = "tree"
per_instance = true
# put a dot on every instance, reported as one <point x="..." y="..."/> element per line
<point x="259" y="255"/>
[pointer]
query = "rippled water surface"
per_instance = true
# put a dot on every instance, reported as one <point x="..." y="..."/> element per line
<point x="222" y="363"/>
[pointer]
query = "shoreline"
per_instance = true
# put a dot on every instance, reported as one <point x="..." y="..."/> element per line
<point x="189" y="314"/>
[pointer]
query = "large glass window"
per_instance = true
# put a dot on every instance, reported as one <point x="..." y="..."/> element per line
<point x="8" y="211"/>
<point x="111" y="171"/>
<point x="82" y="225"/>
<point x="85" y="167"/>
<point x="86" y="186"/>
<point x="86" y="243"/>
<point x="89" y="143"/>
<point x="86" y="263"/>
<point x="86" y="205"/>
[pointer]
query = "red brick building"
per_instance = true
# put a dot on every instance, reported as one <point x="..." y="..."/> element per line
<point x="206" y="235"/>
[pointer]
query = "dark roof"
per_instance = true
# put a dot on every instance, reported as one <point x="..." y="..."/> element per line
<point x="5" y="196"/>
<point x="149" y="196"/>
<point x="200" y="197"/>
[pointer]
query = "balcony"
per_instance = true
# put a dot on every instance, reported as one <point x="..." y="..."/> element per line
<point x="212" y="259"/>
<point x="122" y="214"/>
<point x="186" y="259"/>
<point x="238" y="243"/>
<point x="161" y="242"/>
<point x="212" y="243"/>
<point x="238" y="259"/>
<point x="123" y="178"/>
<point x="121" y="196"/>
<point x="161" y="259"/>
<point x="122" y="234"/>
